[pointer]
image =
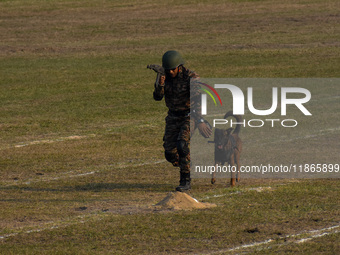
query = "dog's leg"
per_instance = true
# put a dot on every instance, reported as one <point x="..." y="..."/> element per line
<point x="237" y="159"/>
<point x="213" y="179"/>
<point x="232" y="163"/>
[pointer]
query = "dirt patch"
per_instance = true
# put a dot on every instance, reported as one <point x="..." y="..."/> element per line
<point x="182" y="201"/>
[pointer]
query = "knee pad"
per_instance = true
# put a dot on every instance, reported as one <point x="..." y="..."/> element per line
<point x="182" y="148"/>
<point x="172" y="157"/>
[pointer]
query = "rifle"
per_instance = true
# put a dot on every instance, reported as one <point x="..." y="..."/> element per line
<point x="157" y="68"/>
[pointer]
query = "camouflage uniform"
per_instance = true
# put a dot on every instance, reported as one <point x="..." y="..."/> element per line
<point x="178" y="123"/>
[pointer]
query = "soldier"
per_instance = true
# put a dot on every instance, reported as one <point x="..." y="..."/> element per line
<point x="175" y="87"/>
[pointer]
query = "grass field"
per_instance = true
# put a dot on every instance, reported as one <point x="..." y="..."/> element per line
<point x="81" y="155"/>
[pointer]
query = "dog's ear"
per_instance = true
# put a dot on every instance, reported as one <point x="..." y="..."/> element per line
<point x="228" y="131"/>
<point x="217" y="134"/>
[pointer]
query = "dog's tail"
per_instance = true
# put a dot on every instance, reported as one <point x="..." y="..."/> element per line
<point x="238" y="119"/>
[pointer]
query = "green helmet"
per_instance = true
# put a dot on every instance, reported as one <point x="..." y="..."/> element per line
<point x="171" y="59"/>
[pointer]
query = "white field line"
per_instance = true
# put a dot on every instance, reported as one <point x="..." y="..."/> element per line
<point x="258" y="189"/>
<point x="308" y="235"/>
<point x="48" y="141"/>
<point x="55" y="225"/>
<point x="315" y="236"/>
<point x="78" y="137"/>
<point x="296" y="238"/>
<point x="72" y="174"/>
<point x="124" y="165"/>
<point x="66" y="175"/>
<point x="315" y="233"/>
<point x="246" y="246"/>
<point x="75" y="174"/>
<point x="62" y="176"/>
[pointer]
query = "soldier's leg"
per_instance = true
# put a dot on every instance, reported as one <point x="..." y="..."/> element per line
<point x="183" y="148"/>
<point x="171" y="155"/>
<point x="170" y="141"/>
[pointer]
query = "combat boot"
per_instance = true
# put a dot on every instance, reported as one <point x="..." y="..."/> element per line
<point x="184" y="183"/>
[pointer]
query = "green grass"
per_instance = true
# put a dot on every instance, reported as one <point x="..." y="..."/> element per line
<point x="81" y="155"/>
<point x="230" y="224"/>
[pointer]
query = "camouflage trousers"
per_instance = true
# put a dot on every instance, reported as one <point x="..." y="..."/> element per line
<point x="177" y="141"/>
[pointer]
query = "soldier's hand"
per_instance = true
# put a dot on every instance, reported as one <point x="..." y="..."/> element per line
<point x="204" y="129"/>
<point x="161" y="80"/>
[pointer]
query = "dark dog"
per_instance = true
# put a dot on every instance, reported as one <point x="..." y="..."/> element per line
<point x="228" y="147"/>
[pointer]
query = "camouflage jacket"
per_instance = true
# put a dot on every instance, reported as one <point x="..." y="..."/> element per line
<point x="176" y="92"/>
